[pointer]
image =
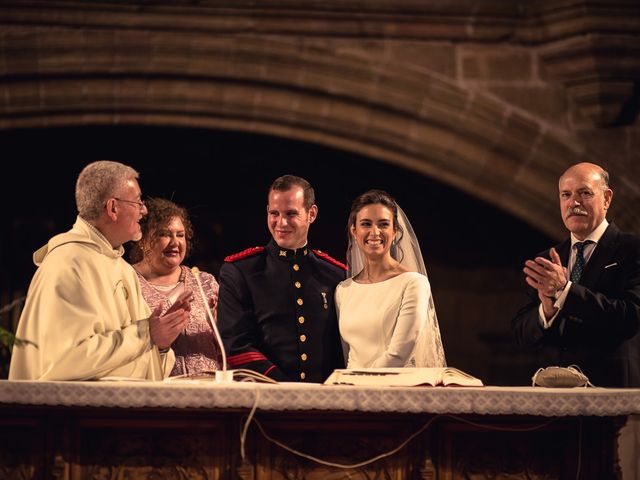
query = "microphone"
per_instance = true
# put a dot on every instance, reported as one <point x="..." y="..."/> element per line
<point x="224" y="375"/>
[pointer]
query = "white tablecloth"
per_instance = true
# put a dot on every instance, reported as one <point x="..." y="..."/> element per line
<point x="289" y="396"/>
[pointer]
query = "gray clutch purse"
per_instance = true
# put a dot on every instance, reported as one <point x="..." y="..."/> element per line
<point x="560" y="377"/>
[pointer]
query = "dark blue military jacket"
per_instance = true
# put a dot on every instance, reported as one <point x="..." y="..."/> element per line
<point x="277" y="315"/>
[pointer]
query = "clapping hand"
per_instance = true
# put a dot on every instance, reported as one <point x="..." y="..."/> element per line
<point x="165" y="328"/>
<point x="547" y="277"/>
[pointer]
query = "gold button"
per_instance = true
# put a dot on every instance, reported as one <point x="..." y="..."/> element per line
<point x="303" y="338"/>
<point x="300" y="320"/>
<point x="296" y="267"/>
<point x="302" y="375"/>
<point x="299" y="301"/>
<point x="303" y="357"/>
<point x="298" y="284"/>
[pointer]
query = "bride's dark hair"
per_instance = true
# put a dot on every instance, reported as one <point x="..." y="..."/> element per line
<point x="376" y="197"/>
<point x="428" y="350"/>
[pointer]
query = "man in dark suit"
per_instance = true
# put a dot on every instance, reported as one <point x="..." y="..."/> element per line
<point x="588" y="313"/>
<point x="276" y="311"/>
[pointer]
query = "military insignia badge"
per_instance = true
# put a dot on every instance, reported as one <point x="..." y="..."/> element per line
<point x="324" y="300"/>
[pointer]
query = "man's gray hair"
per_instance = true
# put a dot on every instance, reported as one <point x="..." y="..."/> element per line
<point x="99" y="181"/>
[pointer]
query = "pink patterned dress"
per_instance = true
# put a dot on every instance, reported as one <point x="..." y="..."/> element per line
<point x="195" y="348"/>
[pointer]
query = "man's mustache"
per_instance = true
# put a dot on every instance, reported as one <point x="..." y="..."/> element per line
<point x="576" y="211"/>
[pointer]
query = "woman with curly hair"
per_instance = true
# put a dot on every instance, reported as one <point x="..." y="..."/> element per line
<point x="167" y="234"/>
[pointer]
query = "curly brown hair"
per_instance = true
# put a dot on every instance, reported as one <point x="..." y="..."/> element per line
<point x="160" y="213"/>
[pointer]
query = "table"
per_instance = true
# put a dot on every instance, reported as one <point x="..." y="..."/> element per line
<point x="130" y="429"/>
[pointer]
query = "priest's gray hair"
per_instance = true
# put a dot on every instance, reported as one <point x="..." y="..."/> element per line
<point x="98" y="182"/>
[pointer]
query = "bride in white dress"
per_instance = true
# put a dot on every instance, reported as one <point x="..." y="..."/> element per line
<point x="385" y="309"/>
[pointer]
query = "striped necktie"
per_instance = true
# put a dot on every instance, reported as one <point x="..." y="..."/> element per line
<point x="578" y="266"/>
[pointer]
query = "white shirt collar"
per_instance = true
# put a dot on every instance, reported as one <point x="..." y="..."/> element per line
<point x="593" y="236"/>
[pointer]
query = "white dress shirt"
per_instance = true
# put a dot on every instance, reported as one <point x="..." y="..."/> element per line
<point x="561" y="295"/>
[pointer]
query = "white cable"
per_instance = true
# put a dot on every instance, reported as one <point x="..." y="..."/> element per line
<point x="382" y="455"/>
<point x="243" y="435"/>
<point x="196" y="273"/>
<point x="342" y="465"/>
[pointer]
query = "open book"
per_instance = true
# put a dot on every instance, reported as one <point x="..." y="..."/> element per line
<point x="403" y="377"/>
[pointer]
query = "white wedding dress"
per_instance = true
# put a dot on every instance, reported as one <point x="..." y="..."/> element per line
<point x="380" y="321"/>
<point x="391" y="323"/>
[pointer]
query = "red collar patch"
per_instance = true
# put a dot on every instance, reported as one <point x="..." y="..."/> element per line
<point x="249" y="252"/>
<point x="329" y="259"/>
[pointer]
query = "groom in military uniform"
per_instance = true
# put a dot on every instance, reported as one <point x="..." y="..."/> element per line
<point x="276" y="312"/>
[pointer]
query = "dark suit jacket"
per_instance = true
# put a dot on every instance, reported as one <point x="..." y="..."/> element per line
<point x="598" y="326"/>
<point x="276" y="312"/>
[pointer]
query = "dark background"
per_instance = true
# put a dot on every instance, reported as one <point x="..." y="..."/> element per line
<point x="222" y="178"/>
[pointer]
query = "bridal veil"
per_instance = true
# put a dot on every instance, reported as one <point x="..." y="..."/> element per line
<point x="428" y="351"/>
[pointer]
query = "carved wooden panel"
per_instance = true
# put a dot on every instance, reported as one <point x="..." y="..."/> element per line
<point x="128" y="443"/>
<point x="22" y="452"/>
<point x="521" y="451"/>
<point x="345" y="443"/>
<point x="137" y="450"/>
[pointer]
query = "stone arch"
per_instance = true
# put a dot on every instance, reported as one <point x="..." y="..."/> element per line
<point x="385" y="109"/>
